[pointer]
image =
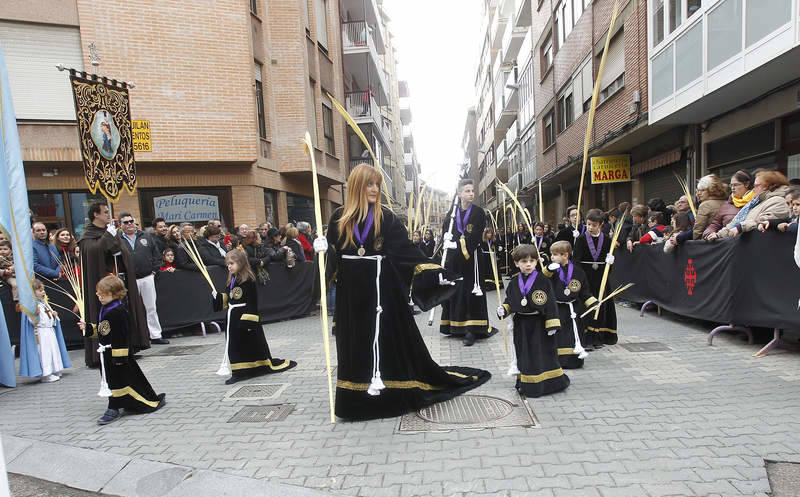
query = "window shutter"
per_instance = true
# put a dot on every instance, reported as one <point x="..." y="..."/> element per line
<point x="257" y="71"/>
<point x="32" y="52"/>
<point x="322" y="22"/>
<point x="615" y="61"/>
<point x="586" y="82"/>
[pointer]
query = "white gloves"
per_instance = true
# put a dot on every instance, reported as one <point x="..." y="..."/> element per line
<point x="553" y="266"/>
<point x="551" y="333"/>
<point x="576" y="233"/>
<point x="214" y="294"/>
<point x="450" y="245"/>
<point x="445" y="282"/>
<point x="111" y="229"/>
<point x="610" y="258"/>
<point x="501" y="312"/>
<point x="320" y="244"/>
<point x="447" y="237"/>
<point x="499" y="249"/>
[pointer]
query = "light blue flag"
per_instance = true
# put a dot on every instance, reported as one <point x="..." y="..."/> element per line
<point x="14" y="214"/>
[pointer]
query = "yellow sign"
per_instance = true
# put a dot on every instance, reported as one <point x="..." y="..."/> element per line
<point x="611" y="169"/>
<point x="141" y="136"/>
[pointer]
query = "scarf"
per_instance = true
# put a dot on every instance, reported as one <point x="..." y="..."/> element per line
<point x="742" y="201"/>
<point x="742" y="214"/>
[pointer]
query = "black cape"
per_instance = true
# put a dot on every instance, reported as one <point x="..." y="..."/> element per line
<point x="602" y="330"/>
<point x="567" y="234"/>
<point x="580" y="296"/>
<point x="411" y="378"/>
<point x="486" y="265"/>
<point x="537" y="354"/>
<point x="130" y="389"/>
<point x="248" y="351"/>
<point x="465" y="312"/>
<point x="98" y="247"/>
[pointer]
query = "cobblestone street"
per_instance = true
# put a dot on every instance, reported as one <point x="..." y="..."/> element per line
<point x="685" y="420"/>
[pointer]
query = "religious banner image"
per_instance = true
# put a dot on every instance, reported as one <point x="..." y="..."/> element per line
<point x="104" y="127"/>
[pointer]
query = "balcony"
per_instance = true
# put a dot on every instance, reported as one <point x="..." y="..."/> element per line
<point x="721" y="55"/>
<point x="405" y="115"/>
<point x="520" y="12"/>
<point x="498" y="29"/>
<point x="362" y="57"/>
<point x="408" y="159"/>
<point x="513" y="39"/>
<point x="366" y="10"/>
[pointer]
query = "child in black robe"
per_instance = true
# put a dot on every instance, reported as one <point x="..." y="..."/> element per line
<point x="129" y="388"/>
<point x="489" y="247"/>
<point x="530" y="298"/>
<point x="246" y="349"/>
<point x="573" y="297"/>
<point x="591" y="251"/>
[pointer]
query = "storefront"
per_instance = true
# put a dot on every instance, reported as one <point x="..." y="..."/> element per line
<point x="300" y="208"/>
<point x="62" y="209"/>
<point x="186" y="205"/>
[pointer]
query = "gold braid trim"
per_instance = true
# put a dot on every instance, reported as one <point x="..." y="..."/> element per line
<point x="257" y="364"/>
<point x="419" y="268"/>
<point x="463" y="243"/>
<point x="538" y="378"/>
<point x="121" y="392"/>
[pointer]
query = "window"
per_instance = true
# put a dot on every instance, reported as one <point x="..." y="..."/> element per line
<point x="587" y="86"/>
<point x="254" y="7"/>
<point x="674" y="14"/>
<point x="566" y="111"/>
<point x="311" y="111"/>
<point x="546" y="53"/>
<point x="327" y="124"/>
<point x="549" y="134"/>
<point x="658" y="21"/>
<point x="526" y="103"/>
<point x="262" y="121"/>
<point x="307" y="16"/>
<point x="724" y="32"/>
<point x="586" y="3"/>
<point x="577" y="10"/>
<point x="321" y="15"/>
<point x="692" y="6"/>
<point x="613" y="74"/>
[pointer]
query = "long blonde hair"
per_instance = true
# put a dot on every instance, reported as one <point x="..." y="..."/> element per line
<point x="356" y="206"/>
<point x="240" y="258"/>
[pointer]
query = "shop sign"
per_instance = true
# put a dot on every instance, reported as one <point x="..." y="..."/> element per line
<point x="141" y="136"/>
<point x="611" y="169"/>
<point x="187" y="207"/>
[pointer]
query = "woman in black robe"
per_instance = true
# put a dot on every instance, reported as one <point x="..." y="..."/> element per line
<point x="490" y="246"/>
<point x="384" y="368"/>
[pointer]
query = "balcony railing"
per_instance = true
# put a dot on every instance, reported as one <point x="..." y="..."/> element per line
<point x="358" y="34"/>
<point x="362" y="103"/>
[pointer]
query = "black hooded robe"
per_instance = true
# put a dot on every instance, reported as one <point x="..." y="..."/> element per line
<point x="98" y="247"/>
<point x="602" y="330"/>
<point x="536" y="351"/>
<point x="378" y="343"/>
<point x="247" y="348"/>
<point x="581" y="298"/>
<point x="466" y="312"/>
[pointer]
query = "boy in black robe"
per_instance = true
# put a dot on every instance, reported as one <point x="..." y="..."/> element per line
<point x="530" y="298"/>
<point x="573" y="297"/>
<point x="465" y="313"/>
<point x="573" y="229"/>
<point x="591" y="251"/>
<point x="129" y="388"/>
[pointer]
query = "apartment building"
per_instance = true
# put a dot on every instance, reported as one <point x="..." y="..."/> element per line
<point x="727" y="71"/>
<point x="227" y="94"/>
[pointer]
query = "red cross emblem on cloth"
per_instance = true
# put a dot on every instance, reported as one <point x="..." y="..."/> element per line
<point x="690" y="277"/>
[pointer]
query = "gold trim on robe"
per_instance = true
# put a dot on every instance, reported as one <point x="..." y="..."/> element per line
<point x="425" y="267"/>
<point x="256" y="364"/>
<point x="538" y="378"/>
<point x="121" y="392"/>
<point x="463" y="243"/>
<point x="250" y="317"/>
<point x="459" y="324"/>
<point x="552" y="323"/>
<point x="119" y="352"/>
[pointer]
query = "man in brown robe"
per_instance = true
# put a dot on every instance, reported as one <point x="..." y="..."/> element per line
<point x="102" y="254"/>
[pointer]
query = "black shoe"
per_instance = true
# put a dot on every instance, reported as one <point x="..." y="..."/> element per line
<point x="110" y="416"/>
<point x="469" y="339"/>
<point x="234" y="379"/>
<point x="160" y="341"/>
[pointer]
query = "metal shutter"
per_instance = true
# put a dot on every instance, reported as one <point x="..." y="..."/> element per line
<point x="32" y="51"/>
<point x="615" y="61"/>
<point x="662" y="183"/>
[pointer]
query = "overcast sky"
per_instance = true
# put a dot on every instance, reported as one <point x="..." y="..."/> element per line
<point x="438" y="46"/>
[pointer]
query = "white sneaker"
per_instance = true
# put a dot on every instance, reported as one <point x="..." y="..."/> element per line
<point x="50" y="378"/>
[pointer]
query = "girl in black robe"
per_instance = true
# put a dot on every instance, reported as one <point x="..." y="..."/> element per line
<point x="603" y="330"/>
<point x="428" y="244"/>
<point x="384" y="368"/>
<point x="573" y="297"/>
<point x="530" y="298"/>
<point x="129" y="388"/>
<point x="246" y="349"/>
<point x="490" y="246"/>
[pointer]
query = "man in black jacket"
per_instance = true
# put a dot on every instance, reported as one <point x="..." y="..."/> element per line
<point x="160" y="237"/>
<point x="146" y="260"/>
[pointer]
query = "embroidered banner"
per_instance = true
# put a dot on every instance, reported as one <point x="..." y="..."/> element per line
<point x="104" y="128"/>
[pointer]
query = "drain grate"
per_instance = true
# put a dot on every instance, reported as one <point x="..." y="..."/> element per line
<point x="469" y="411"/>
<point x="256" y="392"/>
<point x="784" y="478"/>
<point x="180" y="350"/>
<point x="262" y="414"/>
<point x="645" y="347"/>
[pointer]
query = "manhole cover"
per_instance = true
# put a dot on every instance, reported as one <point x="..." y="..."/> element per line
<point x="262" y="414"/>
<point x="256" y="392"/>
<point x="784" y="478"/>
<point x="180" y="350"/>
<point x="645" y="347"/>
<point x="469" y="411"/>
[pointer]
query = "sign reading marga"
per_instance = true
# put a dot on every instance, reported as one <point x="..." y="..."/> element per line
<point x="141" y="136"/>
<point x="611" y="169"/>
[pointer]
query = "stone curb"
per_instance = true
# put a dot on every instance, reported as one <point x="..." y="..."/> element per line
<point x="125" y="476"/>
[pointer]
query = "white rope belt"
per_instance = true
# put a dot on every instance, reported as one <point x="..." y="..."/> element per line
<point x="578" y="349"/>
<point x="476" y="288"/>
<point x="225" y="365"/>
<point x="104" y="390"/>
<point x="376" y="384"/>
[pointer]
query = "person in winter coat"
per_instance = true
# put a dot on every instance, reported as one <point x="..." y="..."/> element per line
<point x="741" y="193"/>
<point x="711" y="195"/>
<point x="769" y="189"/>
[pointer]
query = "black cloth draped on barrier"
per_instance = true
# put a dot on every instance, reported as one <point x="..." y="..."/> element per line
<point x="750" y="280"/>
<point x="184" y="299"/>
